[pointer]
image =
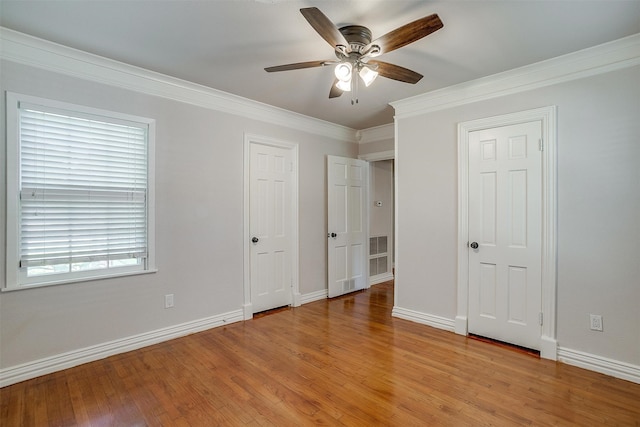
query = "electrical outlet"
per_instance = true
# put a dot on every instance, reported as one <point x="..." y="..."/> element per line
<point x="168" y="301"/>
<point x="596" y="322"/>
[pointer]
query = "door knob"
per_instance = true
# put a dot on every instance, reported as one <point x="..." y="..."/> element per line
<point x="474" y="245"/>
<point x="255" y="240"/>
<point x="334" y="235"/>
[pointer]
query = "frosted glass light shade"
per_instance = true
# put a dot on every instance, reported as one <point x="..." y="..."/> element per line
<point x="368" y="75"/>
<point x="343" y="71"/>
<point x="344" y="86"/>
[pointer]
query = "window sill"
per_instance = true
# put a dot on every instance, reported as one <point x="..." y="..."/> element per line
<point x="78" y="280"/>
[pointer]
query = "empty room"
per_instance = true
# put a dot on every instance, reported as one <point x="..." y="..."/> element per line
<point x="285" y="212"/>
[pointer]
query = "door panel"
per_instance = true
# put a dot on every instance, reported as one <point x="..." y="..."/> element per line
<point x="505" y="196"/>
<point x="270" y="218"/>
<point x="347" y="187"/>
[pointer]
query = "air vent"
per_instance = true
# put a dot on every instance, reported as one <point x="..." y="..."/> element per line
<point x="378" y="256"/>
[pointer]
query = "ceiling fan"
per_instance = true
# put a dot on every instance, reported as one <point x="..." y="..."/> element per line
<point x="354" y="51"/>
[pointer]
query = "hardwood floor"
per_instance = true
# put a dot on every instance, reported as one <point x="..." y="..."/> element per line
<point x="339" y="362"/>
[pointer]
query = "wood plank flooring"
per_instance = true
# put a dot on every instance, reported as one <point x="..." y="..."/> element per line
<point x="338" y="362"/>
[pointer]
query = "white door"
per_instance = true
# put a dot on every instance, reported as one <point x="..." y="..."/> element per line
<point x="505" y="233"/>
<point x="270" y="217"/>
<point x="347" y="190"/>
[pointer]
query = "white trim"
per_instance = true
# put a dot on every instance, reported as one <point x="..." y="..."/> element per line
<point x="615" y="55"/>
<point x="47" y="365"/>
<point x="547" y="116"/>
<point x="592" y="362"/>
<point x="423" y="318"/>
<point x="380" y="278"/>
<point x="295" y="244"/>
<point x="396" y="217"/>
<point x="379" y="156"/>
<point x="378" y="133"/>
<point x="35" y="52"/>
<point x="314" y="296"/>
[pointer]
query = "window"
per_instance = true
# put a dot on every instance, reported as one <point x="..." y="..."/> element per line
<point x="79" y="193"/>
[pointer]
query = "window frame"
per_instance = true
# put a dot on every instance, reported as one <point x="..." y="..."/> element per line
<point x="16" y="277"/>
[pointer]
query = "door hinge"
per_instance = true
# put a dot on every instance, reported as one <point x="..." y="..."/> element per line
<point x="540" y="318"/>
<point x="541" y="144"/>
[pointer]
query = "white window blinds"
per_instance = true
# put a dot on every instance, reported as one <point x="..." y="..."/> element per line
<point x="83" y="187"/>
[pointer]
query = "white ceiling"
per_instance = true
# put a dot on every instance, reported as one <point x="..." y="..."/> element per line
<point x="226" y="44"/>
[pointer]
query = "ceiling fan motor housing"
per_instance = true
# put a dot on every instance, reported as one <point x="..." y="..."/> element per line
<point x="357" y="36"/>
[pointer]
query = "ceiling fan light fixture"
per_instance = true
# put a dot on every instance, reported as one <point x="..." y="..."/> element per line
<point x="367" y="75"/>
<point x="343" y="71"/>
<point x="344" y="86"/>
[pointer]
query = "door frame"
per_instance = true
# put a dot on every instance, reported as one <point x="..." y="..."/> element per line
<point x="376" y="157"/>
<point x="547" y="115"/>
<point x="249" y="139"/>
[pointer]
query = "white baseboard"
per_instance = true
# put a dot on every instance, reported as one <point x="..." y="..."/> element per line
<point x="314" y="296"/>
<point x="424" y="318"/>
<point x="548" y="348"/>
<point x="592" y="362"/>
<point x="380" y="278"/>
<point x="297" y="298"/>
<point x="47" y="365"/>
<point x="247" y="310"/>
<point x="460" y="323"/>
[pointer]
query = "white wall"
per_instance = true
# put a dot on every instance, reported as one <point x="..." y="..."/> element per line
<point x="381" y="217"/>
<point x="373" y="147"/>
<point x="598" y="209"/>
<point x="199" y="217"/>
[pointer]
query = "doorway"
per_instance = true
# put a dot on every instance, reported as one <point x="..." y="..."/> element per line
<point x="475" y="275"/>
<point x="382" y="226"/>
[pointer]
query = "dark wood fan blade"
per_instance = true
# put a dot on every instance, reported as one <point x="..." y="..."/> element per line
<point x="409" y="33"/>
<point x="298" y="65"/>
<point x="396" y="72"/>
<point x="335" y="92"/>
<point x="324" y="26"/>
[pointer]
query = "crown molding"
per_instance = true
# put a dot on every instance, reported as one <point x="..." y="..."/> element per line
<point x="378" y="133"/>
<point x="615" y="55"/>
<point x="36" y="52"/>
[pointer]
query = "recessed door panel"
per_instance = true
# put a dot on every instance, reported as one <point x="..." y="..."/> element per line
<point x="488" y="208"/>
<point x="488" y="290"/>
<point x="517" y="205"/>
<point x="356" y="205"/>
<point x="488" y="150"/>
<point x="518" y="147"/>
<point x="517" y="289"/>
<point x="339" y="208"/>
<point x="279" y="208"/>
<point x="264" y="276"/>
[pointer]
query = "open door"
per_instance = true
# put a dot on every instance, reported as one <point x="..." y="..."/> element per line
<point x="348" y="225"/>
